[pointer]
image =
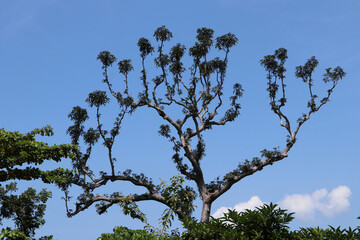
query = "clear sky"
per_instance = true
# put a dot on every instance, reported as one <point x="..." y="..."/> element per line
<point x="48" y="64"/>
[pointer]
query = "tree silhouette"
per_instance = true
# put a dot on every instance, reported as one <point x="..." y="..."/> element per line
<point x="197" y="93"/>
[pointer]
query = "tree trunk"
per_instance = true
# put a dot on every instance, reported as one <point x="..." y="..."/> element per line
<point x="205" y="215"/>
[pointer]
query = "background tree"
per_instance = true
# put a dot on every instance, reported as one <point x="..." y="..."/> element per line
<point x="27" y="209"/>
<point x="198" y="95"/>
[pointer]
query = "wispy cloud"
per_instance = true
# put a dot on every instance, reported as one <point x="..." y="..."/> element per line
<point x="304" y="205"/>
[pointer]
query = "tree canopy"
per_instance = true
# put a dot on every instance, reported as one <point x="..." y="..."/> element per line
<point x="17" y="149"/>
<point x="27" y="209"/>
<point x="197" y="92"/>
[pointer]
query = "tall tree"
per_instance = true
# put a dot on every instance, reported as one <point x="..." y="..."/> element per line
<point x="198" y="94"/>
<point x="27" y="209"/>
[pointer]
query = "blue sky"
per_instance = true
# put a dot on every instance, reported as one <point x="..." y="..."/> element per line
<point x="48" y="64"/>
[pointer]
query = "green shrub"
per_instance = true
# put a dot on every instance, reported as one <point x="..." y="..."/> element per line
<point x="123" y="233"/>
<point x="263" y="223"/>
<point x="330" y="233"/>
<point x="267" y="222"/>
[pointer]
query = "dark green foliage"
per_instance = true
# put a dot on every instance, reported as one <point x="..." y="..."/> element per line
<point x="307" y="70"/>
<point x="247" y="165"/>
<point x="204" y="36"/>
<point x="270" y="154"/>
<point x="106" y="58"/>
<point x="26" y="210"/>
<point x="144" y="47"/>
<point x="232" y="113"/>
<point x="226" y="42"/>
<point x="125" y="66"/>
<point x="266" y="222"/>
<point x="334" y="75"/>
<point x="91" y="136"/>
<point x="328" y="233"/>
<point x="123" y="233"/>
<point x="162" y="61"/>
<point x="176" y="66"/>
<point x="274" y="65"/>
<point x="162" y="34"/>
<point x="97" y="99"/>
<point x="202" y="47"/>
<point x="17" y="149"/>
<point x="215" y="229"/>
<point x="78" y="115"/>
<point x="165" y="131"/>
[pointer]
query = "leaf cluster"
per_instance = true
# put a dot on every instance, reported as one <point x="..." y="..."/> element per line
<point x="328" y="233"/>
<point x="177" y="197"/>
<point x="244" y="168"/>
<point x="25" y="210"/>
<point x="123" y="233"/>
<point x="17" y="149"/>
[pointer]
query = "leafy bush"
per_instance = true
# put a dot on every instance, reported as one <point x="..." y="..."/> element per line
<point x="267" y="222"/>
<point x="123" y="233"/>
<point x="263" y="223"/>
<point x="329" y="233"/>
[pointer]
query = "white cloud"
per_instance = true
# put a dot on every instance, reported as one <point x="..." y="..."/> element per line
<point x="220" y="212"/>
<point x="251" y="204"/>
<point x="304" y="205"/>
<point x="329" y="204"/>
